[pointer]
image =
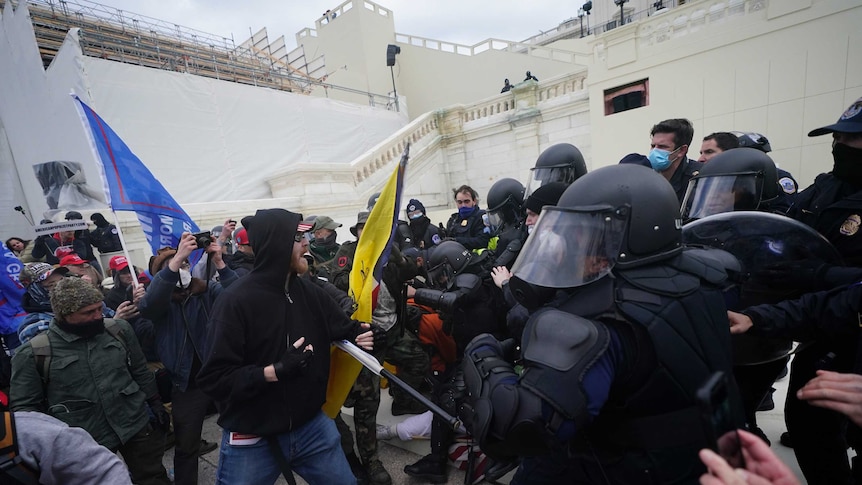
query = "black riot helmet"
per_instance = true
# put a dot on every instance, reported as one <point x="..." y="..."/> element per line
<point x="617" y="216"/>
<point x="447" y="260"/>
<point x="740" y="179"/>
<point x="505" y="201"/>
<point x="753" y="140"/>
<point x="372" y="200"/>
<point x="562" y="162"/>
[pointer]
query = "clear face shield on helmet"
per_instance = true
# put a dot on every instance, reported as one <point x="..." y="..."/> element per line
<point x="495" y="218"/>
<point x="571" y="247"/>
<point x="540" y="176"/>
<point x="442" y="276"/>
<point x="721" y="193"/>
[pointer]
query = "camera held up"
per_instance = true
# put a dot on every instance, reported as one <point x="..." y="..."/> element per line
<point x="203" y="239"/>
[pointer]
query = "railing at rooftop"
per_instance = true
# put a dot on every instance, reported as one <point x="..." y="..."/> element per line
<point x="665" y="23"/>
<point x="114" y="34"/>
<point x="486" y="45"/>
<point x="583" y="25"/>
<point x="684" y="21"/>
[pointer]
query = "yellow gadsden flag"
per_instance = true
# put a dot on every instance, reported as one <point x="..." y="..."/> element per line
<point x="372" y="253"/>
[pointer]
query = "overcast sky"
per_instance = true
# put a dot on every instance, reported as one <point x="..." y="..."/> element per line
<point x="460" y="21"/>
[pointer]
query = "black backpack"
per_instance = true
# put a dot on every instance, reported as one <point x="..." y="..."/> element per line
<point x="41" y="346"/>
<point x="13" y="470"/>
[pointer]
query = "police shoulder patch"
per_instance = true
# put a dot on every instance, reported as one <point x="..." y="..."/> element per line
<point x="850" y="226"/>
<point x="788" y="185"/>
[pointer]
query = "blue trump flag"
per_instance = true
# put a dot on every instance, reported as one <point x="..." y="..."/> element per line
<point x="129" y="185"/>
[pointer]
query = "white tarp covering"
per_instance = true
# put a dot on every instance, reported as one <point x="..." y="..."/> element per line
<point x="204" y="139"/>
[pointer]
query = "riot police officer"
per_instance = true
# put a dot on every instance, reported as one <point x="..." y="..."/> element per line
<point x="740" y="179"/>
<point x="788" y="184"/>
<point x="506" y="215"/>
<point x="467" y="308"/>
<point x="638" y="324"/>
<point x="745" y="179"/>
<point x="562" y="162"/>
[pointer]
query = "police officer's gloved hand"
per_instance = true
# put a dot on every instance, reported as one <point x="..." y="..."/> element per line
<point x="293" y="360"/>
<point x="441" y="230"/>
<point x="159" y="416"/>
<point x="801" y="274"/>
<point x="484" y="343"/>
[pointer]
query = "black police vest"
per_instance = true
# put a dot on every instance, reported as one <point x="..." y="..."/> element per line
<point x="674" y="332"/>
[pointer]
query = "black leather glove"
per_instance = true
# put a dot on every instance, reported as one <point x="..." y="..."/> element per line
<point x="379" y="336"/>
<point x="159" y="416"/>
<point x="293" y="360"/>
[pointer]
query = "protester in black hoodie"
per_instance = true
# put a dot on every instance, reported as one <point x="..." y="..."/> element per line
<point x="262" y="370"/>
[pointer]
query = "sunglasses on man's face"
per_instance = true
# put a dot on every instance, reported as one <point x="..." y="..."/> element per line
<point x="299" y="235"/>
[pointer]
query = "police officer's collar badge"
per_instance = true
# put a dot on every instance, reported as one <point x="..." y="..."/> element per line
<point x="851" y="225"/>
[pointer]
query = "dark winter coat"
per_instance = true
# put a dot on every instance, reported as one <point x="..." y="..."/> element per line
<point x="251" y="327"/>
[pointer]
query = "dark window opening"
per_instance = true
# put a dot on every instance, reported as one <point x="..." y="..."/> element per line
<point x="630" y="96"/>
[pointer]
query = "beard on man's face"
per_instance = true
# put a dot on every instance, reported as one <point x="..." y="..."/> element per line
<point x="298" y="263"/>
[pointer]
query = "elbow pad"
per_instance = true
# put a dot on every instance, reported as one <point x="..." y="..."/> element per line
<point x="505" y="418"/>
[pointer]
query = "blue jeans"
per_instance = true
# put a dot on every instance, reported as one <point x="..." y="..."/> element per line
<point x="312" y="450"/>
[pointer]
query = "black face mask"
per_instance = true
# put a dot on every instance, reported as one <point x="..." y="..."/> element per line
<point x="419" y="226"/>
<point x="327" y="241"/>
<point x="84" y="329"/>
<point x="848" y="163"/>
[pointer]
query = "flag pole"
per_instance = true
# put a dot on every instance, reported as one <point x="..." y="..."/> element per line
<point x="370" y="363"/>
<point x="92" y="143"/>
<point x="125" y="250"/>
<point x="130" y="186"/>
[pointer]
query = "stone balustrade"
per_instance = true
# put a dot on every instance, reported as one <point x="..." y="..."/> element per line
<point x="692" y="17"/>
<point x="487" y="45"/>
<point x="521" y="96"/>
<point x="427" y="135"/>
<point x="417" y="133"/>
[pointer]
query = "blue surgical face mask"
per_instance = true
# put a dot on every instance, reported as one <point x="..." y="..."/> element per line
<point x="660" y="159"/>
<point x="465" y="211"/>
<point x="415" y="216"/>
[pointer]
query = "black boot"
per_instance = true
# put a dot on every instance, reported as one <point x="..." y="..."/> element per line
<point x="785" y="439"/>
<point x="430" y="467"/>
<point x="767" y="404"/>
<point x="433" y="467"/>
<point x="495" y="470"/>
<point x="377" y="474"/>
<point x="357" y="469"/>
